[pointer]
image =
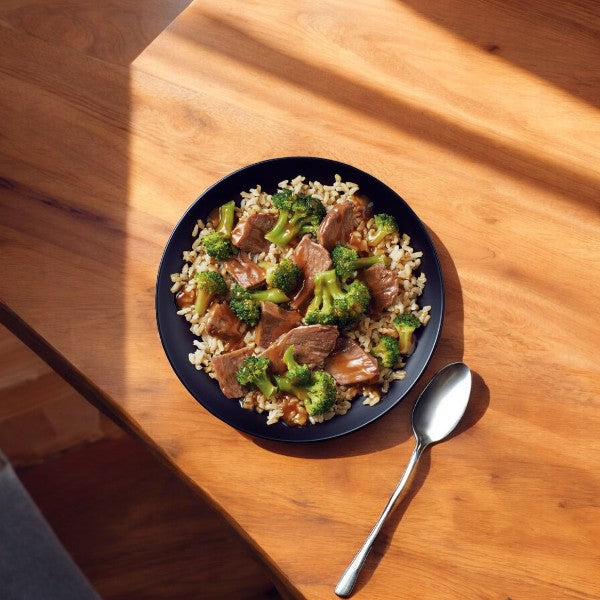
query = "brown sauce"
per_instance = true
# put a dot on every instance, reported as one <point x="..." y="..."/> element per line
<point x="214" y="216"/>
<point x="294" y="412"/>
<point x="374" y="388"/>
<point x="184" y="298"/>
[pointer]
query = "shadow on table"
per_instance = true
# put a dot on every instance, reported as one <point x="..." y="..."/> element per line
<point x="394" y="428"/>
<point x="558" y="43"/>
<point x="233" y="40"/>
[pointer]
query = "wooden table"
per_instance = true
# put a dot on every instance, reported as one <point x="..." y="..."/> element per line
<point x="483" y="115"/>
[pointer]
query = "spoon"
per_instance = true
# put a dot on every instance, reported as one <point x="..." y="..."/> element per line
<point x="436" y="413"/>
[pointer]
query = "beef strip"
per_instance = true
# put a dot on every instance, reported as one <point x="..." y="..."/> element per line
<point x="226" y="366"/>
<point x="222" y="323"/>
<point x="312" y="344"/>
<point x="383" y="284"/>
<point x="249" y="235"/>
<point x="312" y="259"/>
<point x="337" y="225"/>
<point x="247" y="273"/>
<point x="349" y="363"/>
<point x="274" y="321"/>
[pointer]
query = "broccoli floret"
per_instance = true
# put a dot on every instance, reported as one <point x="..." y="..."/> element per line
<point x="253" y="373"/>
<point x="386" y="225"/>
<point x="346" y="261"/>
<point x="246" y="304"/>
<point x="285" y="276"/>
<point x="297" y="374"/>
<point x="218" y="246"/>
<point x="405" y="325"/>
<point x="334" y="305"/>
<point x="318" y="396"/>
<point x="298" y="215"/>
<point x="208" y="285"/>
<point x="226" y="218"/>
<point x="387" y="351"/>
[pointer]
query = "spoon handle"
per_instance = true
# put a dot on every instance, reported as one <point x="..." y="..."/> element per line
<point x="346" y="583"/>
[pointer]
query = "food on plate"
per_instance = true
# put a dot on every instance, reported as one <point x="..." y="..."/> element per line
<point x="274" y="321"/>
<point x="383" y="284"/>
<point x="311" y="259"/>
<point x="312" y="345"/>
<point x="336" y="226"/>
<point x="384" y="225"/>
<point x="217" y="246"/>
<point x="246" y="304"/>
<point x="333" y="304"/>
<point x="349" y="364"/>
<point x="301" y="301"/>
<point x="406" y="324"/>
<point x="208" y="285"/>
<point x="387" y="351"/>
<point x="223" y="324"/>
<point x="299" y="214"/>
<point x="217" y="243"/>
<point x="249" y="234"/>
<point x="346" y="260"/>
<point x="284" y="276"/>
<point x="316" y="389"/>
<point x="253" y="372"/>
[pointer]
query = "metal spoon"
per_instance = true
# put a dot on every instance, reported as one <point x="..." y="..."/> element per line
<point x="436" y="413"/>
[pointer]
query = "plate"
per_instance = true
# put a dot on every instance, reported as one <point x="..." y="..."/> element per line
<point x="177" y="339"/>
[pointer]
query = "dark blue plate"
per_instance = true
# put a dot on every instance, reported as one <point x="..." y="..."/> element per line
<point x="177" y="339"/>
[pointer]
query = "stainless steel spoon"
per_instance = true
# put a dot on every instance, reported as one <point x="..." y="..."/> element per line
<point x="436" y="413"/>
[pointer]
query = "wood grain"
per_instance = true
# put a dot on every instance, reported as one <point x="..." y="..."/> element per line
<point x="136" y="531"/>
<point x="496" y="152"/>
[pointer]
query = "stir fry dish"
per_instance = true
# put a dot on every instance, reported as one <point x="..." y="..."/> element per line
<point x="301" y="301"/>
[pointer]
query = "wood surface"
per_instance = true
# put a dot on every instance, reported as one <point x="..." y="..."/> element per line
<point x="130" y="524"/>
<point x="137" y="531"/>
<point x="484" y="116"/>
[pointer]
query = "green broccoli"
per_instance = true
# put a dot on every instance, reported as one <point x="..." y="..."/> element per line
<point x="346" y="261"/>
<point x="253" y="373"/>
<point x="217" y="243"/>
<point x="298" y="215"/>
<point x="406" y="324"/>
<point x="387" y="351"/>
<point x="285" y="276"/>
<point x="297" y="374"/>
<point x="208" y="285"/>
<point x="245" y="304"/>
<point x="218" y="246"/>
<point x="386" y="225"/>
<point x="334" y="305"/>
<point x="318" y="396"/>
<point x="226" y="218"/>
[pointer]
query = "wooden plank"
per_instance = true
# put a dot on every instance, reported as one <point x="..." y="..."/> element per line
<point x="136" y="531"/>
<point x="498" y="157"/>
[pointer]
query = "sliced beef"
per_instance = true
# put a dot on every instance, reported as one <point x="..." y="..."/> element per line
<point x="312" y="345"/>
<point x="249" y="235"/>
<point x="337" y="225"/>
<point x="226" y="366"/>
<point x="349" y="363"/>
<point x="274" y="321"/>
<point x="244" y="271"/>
<point x="222" y="323"/>
<point x="383" y="284"/>
<point x="312" y="259"/>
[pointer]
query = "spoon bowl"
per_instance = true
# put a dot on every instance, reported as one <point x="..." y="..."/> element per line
<point x="435" y="415"/>
<point x="442" y="404"/>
